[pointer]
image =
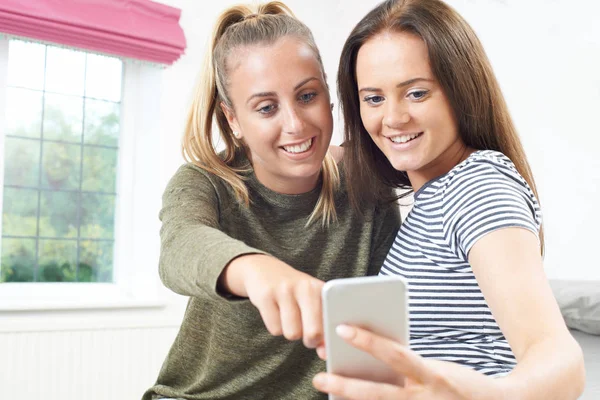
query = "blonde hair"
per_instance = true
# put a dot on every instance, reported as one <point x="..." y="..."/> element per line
<point x="240" y="26"/>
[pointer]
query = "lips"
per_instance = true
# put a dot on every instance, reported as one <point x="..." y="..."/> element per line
<point x="405" y="138"/>
<point x="300" y="147"/>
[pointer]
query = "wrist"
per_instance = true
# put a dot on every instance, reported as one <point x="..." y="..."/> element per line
<point x="235" y="274"/>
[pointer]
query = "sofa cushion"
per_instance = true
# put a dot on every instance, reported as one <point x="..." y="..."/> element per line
<point x="579" y="302"/>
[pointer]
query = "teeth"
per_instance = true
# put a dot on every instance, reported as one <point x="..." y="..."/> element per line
<point x="299" y="148"/>
<point x="404" y="138"/>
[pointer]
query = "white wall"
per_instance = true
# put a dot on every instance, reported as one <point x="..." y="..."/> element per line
<point x="546" y="55"/>
<point x="90" y="364"/>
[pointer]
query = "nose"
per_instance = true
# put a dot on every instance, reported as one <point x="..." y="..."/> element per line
<point x="293" y="120"/>
<point x="395" y="115"/>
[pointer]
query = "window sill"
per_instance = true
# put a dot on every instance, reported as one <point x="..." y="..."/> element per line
<point x="31" y="297"/>
<point x="163" y="311"/>
<point x="65" y="305"/>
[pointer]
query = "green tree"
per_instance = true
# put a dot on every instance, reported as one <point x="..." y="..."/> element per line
<point x="60" y="208"/>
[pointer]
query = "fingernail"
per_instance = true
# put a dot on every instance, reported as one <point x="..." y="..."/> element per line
<point x="344" y="331"/>
<point x="320" y="380"/>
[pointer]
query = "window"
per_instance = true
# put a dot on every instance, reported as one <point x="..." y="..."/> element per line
<point x="79" y="144"/>
<point x="61" y="145"/>
<point x="79" y="152"/>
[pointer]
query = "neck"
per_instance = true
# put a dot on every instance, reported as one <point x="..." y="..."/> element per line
<point x="284" y="185"/>
<point x="454" y="155"/>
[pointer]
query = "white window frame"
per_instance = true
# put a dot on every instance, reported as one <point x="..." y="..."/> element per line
<point x="137" y="245"/>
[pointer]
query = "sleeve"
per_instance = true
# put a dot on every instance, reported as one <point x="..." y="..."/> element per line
<point x="385" y="228"/>
<point x="484" y="200"/>
<point x="194" y="251"/>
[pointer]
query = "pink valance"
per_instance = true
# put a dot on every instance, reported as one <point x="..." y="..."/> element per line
<point x="140" y="29"/>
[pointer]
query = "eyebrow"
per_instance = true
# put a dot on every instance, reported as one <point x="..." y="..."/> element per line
<point x="304" y="82"/>
<point x="268" y="94"/>
<point x="401" y="84"/>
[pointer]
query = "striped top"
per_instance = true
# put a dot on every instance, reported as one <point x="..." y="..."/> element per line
<point x="449" y="318"/>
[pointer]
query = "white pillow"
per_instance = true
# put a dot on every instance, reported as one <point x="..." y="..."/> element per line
<point x="579" y="302"/>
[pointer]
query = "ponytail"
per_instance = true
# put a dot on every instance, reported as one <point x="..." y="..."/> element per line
<point x="239" y="26"/>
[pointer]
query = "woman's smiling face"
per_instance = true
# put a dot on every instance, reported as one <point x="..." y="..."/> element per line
<point x="281" y="110"/>
<point x="403" y="108"/>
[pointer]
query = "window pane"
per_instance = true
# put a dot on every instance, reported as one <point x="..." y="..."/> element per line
<point x="57" y="260"/>
<point x="26" y="64"/>
<point x="96" y="261"/>
<point x="65" y="71"/>
<point x="23" y="112"/>
<point x="63" y="118"/>
<point x="58" y="214"/>
<point x="103" y="77"/>
<point x="61" y="166"/>
<point x="102" y="122"/>
<point x="97" y="216"/>
<point x="99" y="169"/>
<point x="57" y="223"/>
<point x="22" y="162"/>
<point x="19" y="212"/>
<point x="18" y="260"/>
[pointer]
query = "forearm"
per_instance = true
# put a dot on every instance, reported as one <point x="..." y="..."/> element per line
<point x="193" y="258"/>
<point x="550" y="369"/>
<point x="194" y="249"/>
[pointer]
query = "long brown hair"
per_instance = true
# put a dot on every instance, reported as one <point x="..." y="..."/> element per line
<point x="237" y="27"/>
<point x="462" y="69"/>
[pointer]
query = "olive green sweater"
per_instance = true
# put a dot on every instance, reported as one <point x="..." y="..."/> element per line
<point x="223" y="350"/>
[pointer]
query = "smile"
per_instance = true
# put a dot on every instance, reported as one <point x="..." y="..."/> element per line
<point x="405" y="138"/>
<point x="299" y="148"/>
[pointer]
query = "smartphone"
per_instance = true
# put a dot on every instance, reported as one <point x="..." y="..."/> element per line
<point x="377" y="303"/>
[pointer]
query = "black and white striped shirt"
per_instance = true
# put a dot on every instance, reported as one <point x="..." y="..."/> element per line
<point x="449" y="318"/>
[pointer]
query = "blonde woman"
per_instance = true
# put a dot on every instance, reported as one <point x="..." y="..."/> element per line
<point x="423" y="111"/>
<point x="251" y="233"/>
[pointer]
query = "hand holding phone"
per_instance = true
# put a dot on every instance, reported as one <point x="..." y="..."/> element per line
<point x="379" y="304"/>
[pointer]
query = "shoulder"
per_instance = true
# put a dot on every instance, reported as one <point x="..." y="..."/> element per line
<point x="483" y="194"/>
<point x="488" y="183"/>
<point x="191" y="174"/>
<point x="337" y="153"/>
<point x="194" y="174"/>
<point x="193" y="179"/>
<point x="485" y="171"/>
<point x="485" y="162"/>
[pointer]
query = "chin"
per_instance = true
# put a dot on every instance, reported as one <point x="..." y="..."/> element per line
<point x="306" y="171"/>
<point x="405" y="167"/>
<point x="404" y="163"/>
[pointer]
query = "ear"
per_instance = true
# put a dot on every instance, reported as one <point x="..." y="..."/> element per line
<point x="231" y="119"/>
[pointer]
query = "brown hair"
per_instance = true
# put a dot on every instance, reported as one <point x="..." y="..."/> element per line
<point x="460" y="65"/>
<point x="239" y="26"/>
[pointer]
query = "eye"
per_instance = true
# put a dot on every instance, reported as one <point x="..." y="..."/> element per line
<point x="374" y="100"/>
<point x="418" y="94"/>
<point x="268" y="109"/>
<point x="307" y="97"/>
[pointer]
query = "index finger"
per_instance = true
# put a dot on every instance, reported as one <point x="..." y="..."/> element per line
<point x="399" y="357"/>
